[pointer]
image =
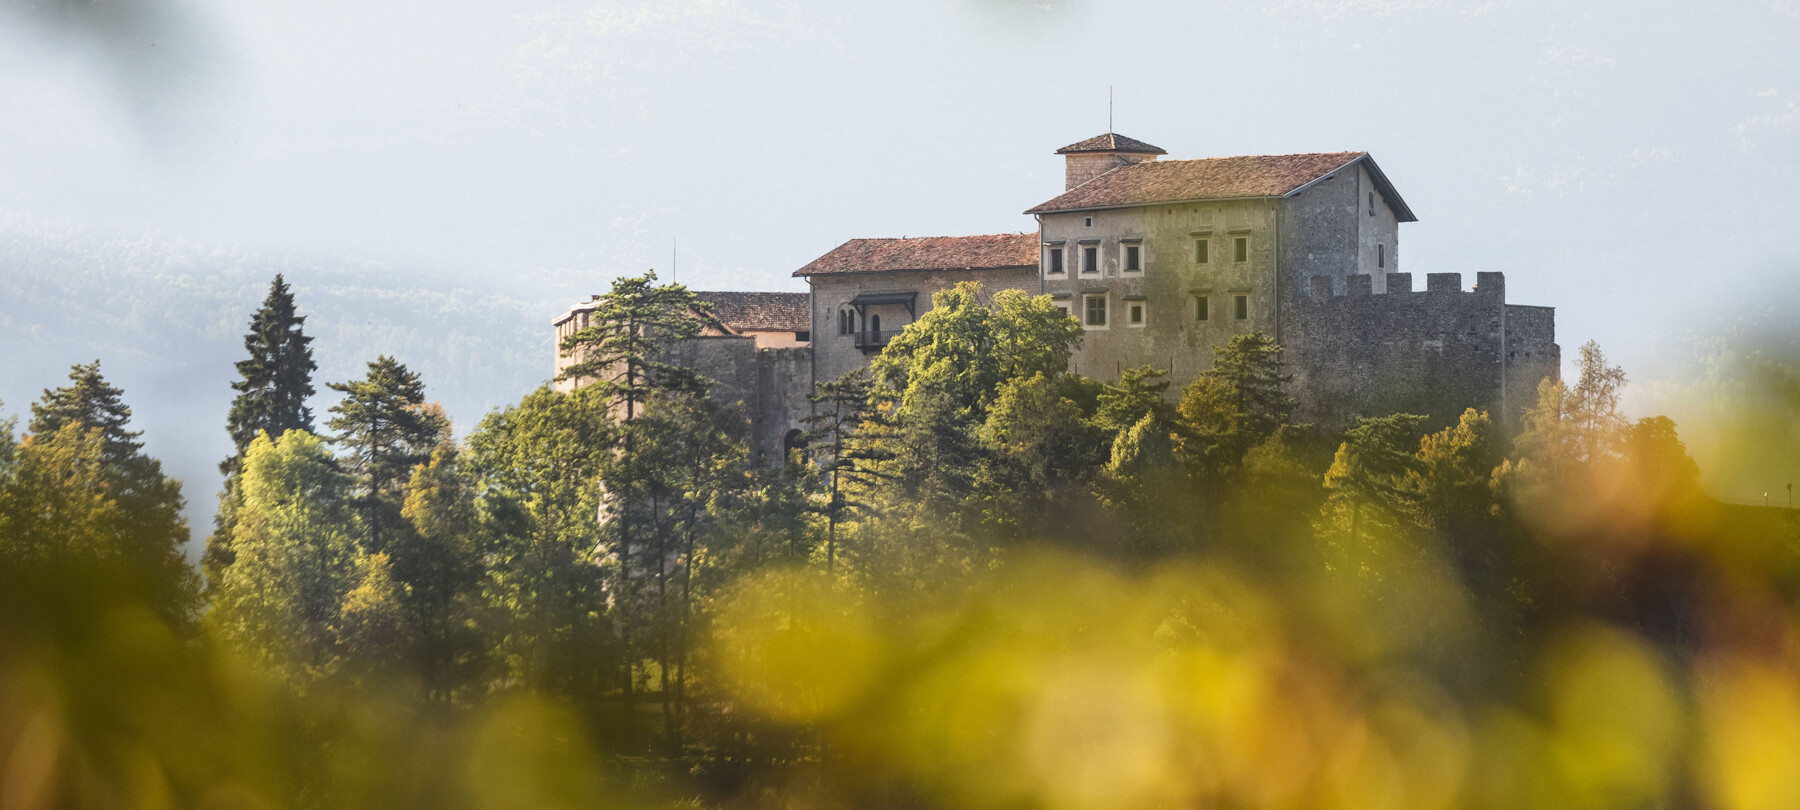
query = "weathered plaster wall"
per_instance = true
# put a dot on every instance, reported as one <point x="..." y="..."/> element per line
<point x="1173" y="278"/>
<point x="836" y="354"/>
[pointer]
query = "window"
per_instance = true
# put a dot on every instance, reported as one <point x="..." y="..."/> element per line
<point x="1240" y="249"/>
<point x="1095" y="308"/>
<point x="1090" y="260"/>
<point x="1087" y="222"/>
<point x="1062" y="306"/>
<point x="875" y="326"/>
<point x="1134" y="313"/>
<point x="1371" y="203"/>
<point x="803" y="337"/>
<point x="1202" y="308"/>
<point x="1202" y="251"/>
<point x="1242" y="304"/>
<point x="844" y="327"/>
<point x="1055" y="262"/>
<point x="1132" y="259"/>
<point x="1381" y="255"/>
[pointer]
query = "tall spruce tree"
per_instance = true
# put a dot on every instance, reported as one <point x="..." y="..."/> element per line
<point x="276" y="378"/>
<point x="388" y="429"/>
<point x="275" y="382"/>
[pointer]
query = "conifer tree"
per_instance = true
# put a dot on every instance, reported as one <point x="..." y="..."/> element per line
<point x="388" y="429"/>
<point x="275" y="382"/>
<point x="83" y="426"/>
<point x="277" y="376"/>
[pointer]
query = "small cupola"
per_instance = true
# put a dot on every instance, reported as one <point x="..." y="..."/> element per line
<point x="1086" y="160"/>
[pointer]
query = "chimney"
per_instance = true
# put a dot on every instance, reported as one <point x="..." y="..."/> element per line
<point x="1086" y="160"/>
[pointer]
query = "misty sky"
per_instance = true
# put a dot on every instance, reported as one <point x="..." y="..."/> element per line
<point x="1634" y="164"/>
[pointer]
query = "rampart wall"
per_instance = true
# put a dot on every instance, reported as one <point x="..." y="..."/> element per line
<point x="1434" y="352"/>
<point x="769" y="387"/>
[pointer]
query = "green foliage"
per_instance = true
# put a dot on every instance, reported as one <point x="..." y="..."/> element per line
<point x="274" y="383"/>
<point x="1236" y="404"/>
<point x="84" y="482"/>
<point x="622" y="350"/>
<point x="385" y="424"/>
<point x="537" y="472"/>
<point x="296" y="555"/>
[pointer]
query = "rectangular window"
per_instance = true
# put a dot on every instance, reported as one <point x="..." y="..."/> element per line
<point x="1095" y="308"/>
<point x="1134" y="313"/>
<point x="1202" y="308"/>
<point x="1240" y="249"/>
<point x="1133" y="259"/>
<point x="1381" y="255"/>
<point x="1202" y="249"/>
<point x="1242" y="303"/>
<point x="1062" y="306"/>
<point x="1090" y="260"/>
<point x="1055" y="266"/>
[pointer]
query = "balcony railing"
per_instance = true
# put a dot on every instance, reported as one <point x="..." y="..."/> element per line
<point x="873" y="340"/>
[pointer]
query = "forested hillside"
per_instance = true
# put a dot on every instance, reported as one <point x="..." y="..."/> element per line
<point x="984" y="582"/>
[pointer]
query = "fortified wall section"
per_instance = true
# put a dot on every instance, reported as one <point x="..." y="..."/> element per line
<point x="1433" y="353"/>
<point x="767" y="387"/>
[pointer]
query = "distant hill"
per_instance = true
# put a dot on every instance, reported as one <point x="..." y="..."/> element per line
<point x="166" y="319"/>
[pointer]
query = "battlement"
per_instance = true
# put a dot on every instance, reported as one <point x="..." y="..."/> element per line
<point x="1487" y="285"/>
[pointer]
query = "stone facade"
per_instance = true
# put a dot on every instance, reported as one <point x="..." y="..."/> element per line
<point x="1164" y="261"/>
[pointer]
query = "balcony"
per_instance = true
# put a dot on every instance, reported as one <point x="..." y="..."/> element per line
<point x="871" y="341"/>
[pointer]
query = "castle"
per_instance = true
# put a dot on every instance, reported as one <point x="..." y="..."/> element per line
<point x="1162" y="261"/>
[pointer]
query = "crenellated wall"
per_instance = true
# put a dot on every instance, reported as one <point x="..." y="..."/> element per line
<point x="1433" y="353"/>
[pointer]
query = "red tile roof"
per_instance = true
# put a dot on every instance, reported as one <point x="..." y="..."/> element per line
<point x="1165" y="181"/>
<point x="927" y="253"/>
<point x="765" y="311"/>
<point x="1111" y="143"/>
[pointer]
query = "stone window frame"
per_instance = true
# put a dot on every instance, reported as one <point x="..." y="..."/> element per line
<point x="1381" y="254"/>
<point x="1202" y="305"/>
<point x="1240" y="305"/>
<point x="1143" y="256"/>
<point x="1240" y="248"/>
<point x="1203" y="249"/>
<point x="1054" y="249"/>
<point x="1090" y="258"/>
<point x="1138" y="306"/>
<point x="1087" y="312"/>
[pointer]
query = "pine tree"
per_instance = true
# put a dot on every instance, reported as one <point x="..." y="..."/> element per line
<point x="388" y="429"/>
<point x="91" y="402"/>
<point x="276" y="381"/>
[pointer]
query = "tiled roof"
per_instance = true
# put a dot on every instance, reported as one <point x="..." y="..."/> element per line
<point x="779" y="311"/>
<point x="1111" y="143"/>
<point x="927" y="253"/>
<point x="1162" y="181"/>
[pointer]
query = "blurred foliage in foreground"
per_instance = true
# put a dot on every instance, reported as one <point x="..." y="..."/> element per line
<point x="987" y="583"/>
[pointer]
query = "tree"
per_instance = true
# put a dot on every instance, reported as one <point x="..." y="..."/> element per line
<point x="275" y="381"/>
<point x="84" y="426"/>
<point x="388" y="429"/>
<point x="373" y="634"/>
<point x="439" y="562"/>
<point x="1041" y="449"/>
<point x="536" y="468"/>
<point x="1238" y="403"/>
<point x="622" y="349"/>
<point x="274" y="384"/>
<point x="296" y="553"/>
<point x="1372" y="467"/>
<point x="847" y="467"/>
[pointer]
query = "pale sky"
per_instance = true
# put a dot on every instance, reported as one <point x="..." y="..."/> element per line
<point x="1634" y="163"/>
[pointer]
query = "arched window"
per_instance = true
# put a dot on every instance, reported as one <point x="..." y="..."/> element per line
<point x="875" y="326"/>
<point x="791" y="443"/>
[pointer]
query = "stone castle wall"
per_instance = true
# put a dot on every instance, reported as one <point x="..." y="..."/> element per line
<point x="769" y="387"/>
<point x="1432" y="353"/>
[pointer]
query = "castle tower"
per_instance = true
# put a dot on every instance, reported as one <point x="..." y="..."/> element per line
<point x="1086" y="160"/>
